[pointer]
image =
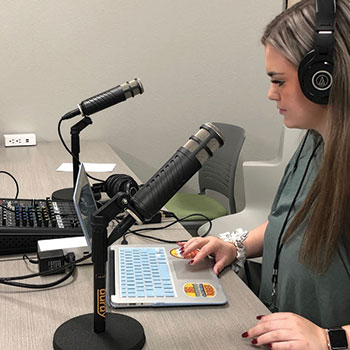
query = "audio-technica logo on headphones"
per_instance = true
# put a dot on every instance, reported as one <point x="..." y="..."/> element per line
<point x="322" y="80"/>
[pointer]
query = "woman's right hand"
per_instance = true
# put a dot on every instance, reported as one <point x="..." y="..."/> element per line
<point x="223" y="252"/>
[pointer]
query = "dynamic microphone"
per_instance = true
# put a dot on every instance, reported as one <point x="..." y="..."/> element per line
<point x="157" y="191"/>
<point x="107" y="99"/>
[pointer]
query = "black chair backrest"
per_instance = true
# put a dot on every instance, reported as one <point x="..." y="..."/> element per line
<point x="218" y="173"/>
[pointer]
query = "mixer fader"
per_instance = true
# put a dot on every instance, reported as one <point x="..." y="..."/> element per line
<point x="25" y="221"/>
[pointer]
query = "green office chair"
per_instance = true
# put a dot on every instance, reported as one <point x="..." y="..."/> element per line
<point x="217" y="174"/>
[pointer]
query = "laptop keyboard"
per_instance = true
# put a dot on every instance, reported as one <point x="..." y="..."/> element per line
<point x="144" y="273"/>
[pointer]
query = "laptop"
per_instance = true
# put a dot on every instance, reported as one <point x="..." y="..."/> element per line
<point x="85" y="204"/>
<point x="152" y="275"/>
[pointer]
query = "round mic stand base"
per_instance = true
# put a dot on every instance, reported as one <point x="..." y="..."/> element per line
<point x="65" y="194"/>
<point x="122" y="333"/>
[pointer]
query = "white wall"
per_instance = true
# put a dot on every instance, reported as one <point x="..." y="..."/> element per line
<point x="198" y="60"/>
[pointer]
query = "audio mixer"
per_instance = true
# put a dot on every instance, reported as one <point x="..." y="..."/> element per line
<point x="25" y="221"/>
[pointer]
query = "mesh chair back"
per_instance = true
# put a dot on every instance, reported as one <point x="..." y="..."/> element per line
<point x="218" y="173"/>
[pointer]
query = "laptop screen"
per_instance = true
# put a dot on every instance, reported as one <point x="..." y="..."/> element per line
<point x="85" y="204"/>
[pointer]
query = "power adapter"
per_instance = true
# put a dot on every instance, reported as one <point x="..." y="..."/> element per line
<point x="50" y="260"/>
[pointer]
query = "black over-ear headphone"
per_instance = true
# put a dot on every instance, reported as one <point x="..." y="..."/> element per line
<point x="316" y="68"/>
<point x="117" y="183"/>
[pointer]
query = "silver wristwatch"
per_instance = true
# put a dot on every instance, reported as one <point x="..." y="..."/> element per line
<point x="237" y="237"/>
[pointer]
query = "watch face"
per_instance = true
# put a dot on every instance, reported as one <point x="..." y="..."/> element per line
<point x="338" y="339"/>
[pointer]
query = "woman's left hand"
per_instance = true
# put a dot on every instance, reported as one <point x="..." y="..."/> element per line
<point x="284" y="330"/>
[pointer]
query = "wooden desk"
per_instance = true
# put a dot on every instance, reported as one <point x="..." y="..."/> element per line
<point x="34" y="167"/>
<point x="29" y="318"/>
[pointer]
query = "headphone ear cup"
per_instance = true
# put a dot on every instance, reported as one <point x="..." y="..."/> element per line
<point x="131" y="187"/>
<point x="120" y="182"/>
<point x="113" y="184"/>
<point x="315" y="77"/>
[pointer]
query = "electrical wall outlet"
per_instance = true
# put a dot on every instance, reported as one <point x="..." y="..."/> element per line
<point x="20" y="140"/>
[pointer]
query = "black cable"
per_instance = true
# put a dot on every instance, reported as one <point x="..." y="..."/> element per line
<point x="13" y="178"/>
<point x="40" y="286"/>
<point x="16" y="258"/>
<point x="26" y="257"/>
<point x="272" y="306"/>
<point x="169" y="214"/>
<point x="137" y="231"/>
<point x="61" y="138"/>
<point x="70" y="152"/>
<point x="45" y="273"/>
<point x="70" y="257"/>
<point x="279" y="245"/>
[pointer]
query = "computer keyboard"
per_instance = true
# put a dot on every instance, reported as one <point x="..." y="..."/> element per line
<point x="144" y="273"/>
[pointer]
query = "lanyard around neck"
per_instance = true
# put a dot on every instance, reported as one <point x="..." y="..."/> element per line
<point x="279" y="246"/>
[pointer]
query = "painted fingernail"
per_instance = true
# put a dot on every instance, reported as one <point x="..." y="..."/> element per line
<point x="190" y="262"/>
<point x="259" y="317"/>
<point x="269" y="346"/>
<point x="254" y="341"/>
<point x="245" y="335"/>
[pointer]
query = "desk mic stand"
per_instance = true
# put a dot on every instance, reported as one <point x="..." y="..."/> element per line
<point x="67" y="193"/>
<point x="101" y="330"/>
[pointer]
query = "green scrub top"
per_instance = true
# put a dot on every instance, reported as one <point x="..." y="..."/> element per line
<point x="322" y="298"/>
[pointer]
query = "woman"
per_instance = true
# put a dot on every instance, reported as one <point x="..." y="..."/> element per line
<point x="305" y="243"/>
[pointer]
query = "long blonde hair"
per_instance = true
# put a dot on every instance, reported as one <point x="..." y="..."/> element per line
<point x="327" y="205"/>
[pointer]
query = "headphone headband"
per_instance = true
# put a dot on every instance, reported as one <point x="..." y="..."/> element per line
<point x="325" y="15"/>
<point x="316" y="68"/>
<point x="325" y="26"/>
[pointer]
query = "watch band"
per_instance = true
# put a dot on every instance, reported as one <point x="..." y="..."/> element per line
<point x="337" y="339"/>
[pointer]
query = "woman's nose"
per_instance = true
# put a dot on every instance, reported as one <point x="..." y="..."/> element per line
<point x="272" y="94"/>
